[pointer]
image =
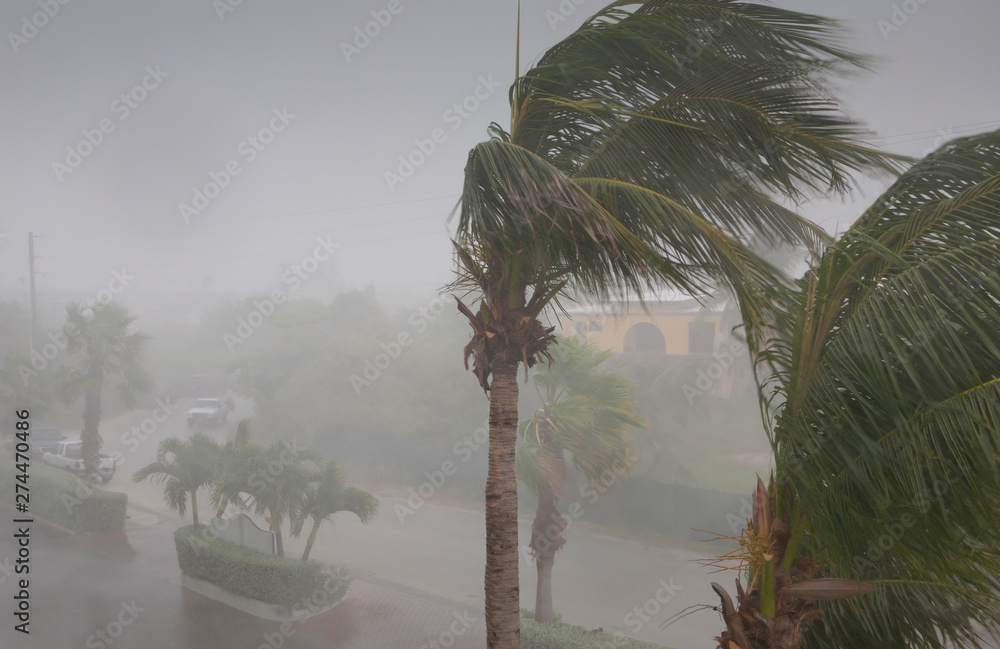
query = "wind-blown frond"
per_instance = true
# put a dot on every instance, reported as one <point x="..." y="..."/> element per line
<point x="888" y="426"/>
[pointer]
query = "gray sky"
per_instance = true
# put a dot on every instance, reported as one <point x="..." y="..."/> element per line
<point x="215" y="78"/>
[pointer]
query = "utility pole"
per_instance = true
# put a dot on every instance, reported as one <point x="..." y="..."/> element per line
<point x="31" y="288"/>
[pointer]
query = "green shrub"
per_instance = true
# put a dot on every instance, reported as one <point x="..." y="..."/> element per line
<point x="558" y="635"/>
<point x="62" y="498"/>
<point x="268" y="578"/>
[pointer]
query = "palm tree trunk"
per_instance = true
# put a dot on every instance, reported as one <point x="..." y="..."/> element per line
<point x="546" y="539"/>
<point x="222" y="507"/>
<point x="310" y="541"/>
<point x="91" y="438"/>
<point x="503" y="624"/>
<point x="277" y="537"/>
<point x="194" y="506"/>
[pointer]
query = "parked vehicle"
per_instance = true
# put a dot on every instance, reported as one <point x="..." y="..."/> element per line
<point x="68" y="455"/>
<point x="209" y="412"/>
<point x="40" y="439"/>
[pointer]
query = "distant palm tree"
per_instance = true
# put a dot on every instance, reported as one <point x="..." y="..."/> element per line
<point x="102" y="347"/>
<point x="885" y="380"/>
<point x="326" y="496"/>
<point x="643" y="151"/>
<point x="184" y="466"/>
<point x="582" y="424"/>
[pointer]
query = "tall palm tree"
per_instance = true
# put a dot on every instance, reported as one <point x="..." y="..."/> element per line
<point x="643" y="151"/>
<point x="102" y="346"/>
<point x="885" y="381"/>
<point x="184" y="466"/>
<point x="270" y="481"/>
<point x="583" y="424"/>
<point x="327" y="495"/>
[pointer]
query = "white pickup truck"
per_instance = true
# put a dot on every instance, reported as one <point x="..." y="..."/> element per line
<point x="212" y="412"/>
<point x="67" y="455"/>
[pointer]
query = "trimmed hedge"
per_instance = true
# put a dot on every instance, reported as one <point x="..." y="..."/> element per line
<point x="558" y="635"/>
<point x="62" y="498"/>
<point x="266" y="578"/>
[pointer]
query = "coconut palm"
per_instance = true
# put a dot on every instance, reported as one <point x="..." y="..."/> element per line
<point x="582" y="424"/>
<point x="183" y="466"/>
<point x="642" y="152"/>
<point x="102" y="347"/>
<point x="327" y="495"/>
<point x="270" y="481"/>
<point x="885" y="380"/>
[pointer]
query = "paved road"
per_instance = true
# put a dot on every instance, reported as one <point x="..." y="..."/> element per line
<point x="599" y="580"/>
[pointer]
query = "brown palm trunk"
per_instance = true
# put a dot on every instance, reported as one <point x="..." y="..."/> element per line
<point x="503" y="624"/>
<point x="546" y="539"/>
<point x="310" y="541"/>
<point x="277" y="537"/>
<point x="90" y="435"/>
<point x="194" y="506"/>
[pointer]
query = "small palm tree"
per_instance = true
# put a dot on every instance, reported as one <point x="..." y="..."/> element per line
<point x="184" y="466"/>
<point x="886" y="378"/>
<point x="102" y="347"/>
<point x="270" y="481"/>
<point x="326" y="496"/>
<point x="584" y="417"/>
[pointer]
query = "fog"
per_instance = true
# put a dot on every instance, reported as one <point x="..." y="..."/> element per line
<point x="268" y="189"/>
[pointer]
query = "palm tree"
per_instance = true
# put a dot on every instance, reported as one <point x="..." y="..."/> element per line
<point x="184" y="466"/>
<point x="642" y="152"/>
<point x="326" y="496"/>
<point x="584" y="418"/>
<point x="269" y="480"/>
<point x="102" y="347"/>
<point x="885" y="377"/>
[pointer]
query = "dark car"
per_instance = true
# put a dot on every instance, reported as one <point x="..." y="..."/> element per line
<point x="41" y="439"/>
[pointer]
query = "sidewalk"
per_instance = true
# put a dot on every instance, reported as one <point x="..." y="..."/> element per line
<point x="82" y="584"/>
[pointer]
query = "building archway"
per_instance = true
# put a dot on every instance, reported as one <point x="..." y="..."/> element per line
<point x="644" y="338"/>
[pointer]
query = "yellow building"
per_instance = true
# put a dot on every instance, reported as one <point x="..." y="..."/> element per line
<point x="678" y="330"/>
<point x="675" y="328"/>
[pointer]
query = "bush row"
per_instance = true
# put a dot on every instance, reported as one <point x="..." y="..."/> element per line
<point x="268" y="578"/>
<point x="558" y="635"/>
<point x="65" y="499"/>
